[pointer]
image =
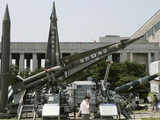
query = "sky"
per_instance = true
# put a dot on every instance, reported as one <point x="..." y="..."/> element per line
<point x="78" y="20"/>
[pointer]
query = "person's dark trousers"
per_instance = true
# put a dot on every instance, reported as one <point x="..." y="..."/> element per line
<point x="85" y="116"/>
<point x="155" y="107"/>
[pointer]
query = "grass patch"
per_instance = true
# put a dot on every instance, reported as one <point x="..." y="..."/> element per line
<point x="150" y="119"/>
<point x="140" y="111"/>
<point x="9" y="119"/>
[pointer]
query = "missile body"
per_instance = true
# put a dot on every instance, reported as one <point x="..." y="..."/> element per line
<point x="5" y="58"/>
<point x="53" y="55"/>
<point x="136" y="83"/>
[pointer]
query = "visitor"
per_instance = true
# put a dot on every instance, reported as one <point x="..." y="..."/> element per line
<point x="85" y="109"/>
<point x="155" y="103"/>
<point x="137" y="102"/>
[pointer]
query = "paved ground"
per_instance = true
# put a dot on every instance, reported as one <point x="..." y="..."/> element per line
<point x="146" y="114"/>
<point x="142" y="114"/>
<point x="139" y="115"/>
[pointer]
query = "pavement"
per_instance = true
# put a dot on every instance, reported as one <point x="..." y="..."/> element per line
<point x="138" y="115"/>
<point x="146" y="114"/>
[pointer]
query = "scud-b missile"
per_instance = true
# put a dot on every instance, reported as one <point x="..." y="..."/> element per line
<point x="136" y="83"/>
<point x="5" y="58"/>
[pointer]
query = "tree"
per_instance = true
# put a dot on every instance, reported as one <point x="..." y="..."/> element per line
<point x="121" y="73"/>
<point x="15" y="71"/>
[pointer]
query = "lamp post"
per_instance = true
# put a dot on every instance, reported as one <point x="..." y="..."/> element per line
<point x="74" y="100"/>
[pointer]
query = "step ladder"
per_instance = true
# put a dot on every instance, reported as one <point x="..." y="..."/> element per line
<point x="27" y="112"/>
<point x="26" y="109"/>
<point x="104" y="82"/>
<point x="109" y="63"/>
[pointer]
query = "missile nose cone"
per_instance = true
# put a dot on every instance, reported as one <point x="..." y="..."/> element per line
<point x="6" y="14"/>
<point x="53" y="4"/>
<point x="53" y="15"/>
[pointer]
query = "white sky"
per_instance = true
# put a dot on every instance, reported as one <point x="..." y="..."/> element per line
<point x="78" y="20"/>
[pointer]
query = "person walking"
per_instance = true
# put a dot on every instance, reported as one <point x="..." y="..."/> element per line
<point x="85" y="108"/>
<point x="155" y="103"/>
<point x="137" y="102"/>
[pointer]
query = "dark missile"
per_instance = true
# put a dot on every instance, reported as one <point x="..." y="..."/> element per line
<point x="5" y="59"/>
<point x="40" y="75"/>
<point x="53" y="55"/>
<point x="136" y="83"/>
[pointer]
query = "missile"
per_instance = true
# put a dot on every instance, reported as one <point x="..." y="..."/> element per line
<point x="5" y="49"/>
<point x="39" y="75"/>
<point x="53" y="55"/>
<point x="5" y="42"/>
<point x="136" y="83"/>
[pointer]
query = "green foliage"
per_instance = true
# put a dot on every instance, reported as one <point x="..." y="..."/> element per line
<point x="123" y="78"/>
<point x="13" y="72"/>
<point x="26" y="73"/>
<point x="97" y="71"/>
<point x="36" y="71"/>
<point x="151" y="95"/>
<point x="121" y="73"/>
<point x="150" y="119"/>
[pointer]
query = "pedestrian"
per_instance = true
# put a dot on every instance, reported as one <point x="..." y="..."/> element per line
<point x="85" y="108"/>
<point x="137" y="102"/>
<point x="155" y="103"/>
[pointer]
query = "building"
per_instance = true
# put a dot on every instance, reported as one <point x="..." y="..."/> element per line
<point x="112" y="38"/>
<point x="142" y="52"/>
<point x="155" y="86"/>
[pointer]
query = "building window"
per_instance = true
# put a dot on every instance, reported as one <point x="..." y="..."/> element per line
<point x="145" y="36"/>
<point x="152" y="57"/>
<point x="150" y="32"/>
<point x="157" y="26"/>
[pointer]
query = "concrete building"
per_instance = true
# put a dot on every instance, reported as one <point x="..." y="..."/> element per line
<point x="155" y="86"/>
<point x="112" y="38"/>
<point x="142" y="52"/>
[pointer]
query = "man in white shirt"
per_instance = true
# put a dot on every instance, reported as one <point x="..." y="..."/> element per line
<point x="84" y="108"/>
